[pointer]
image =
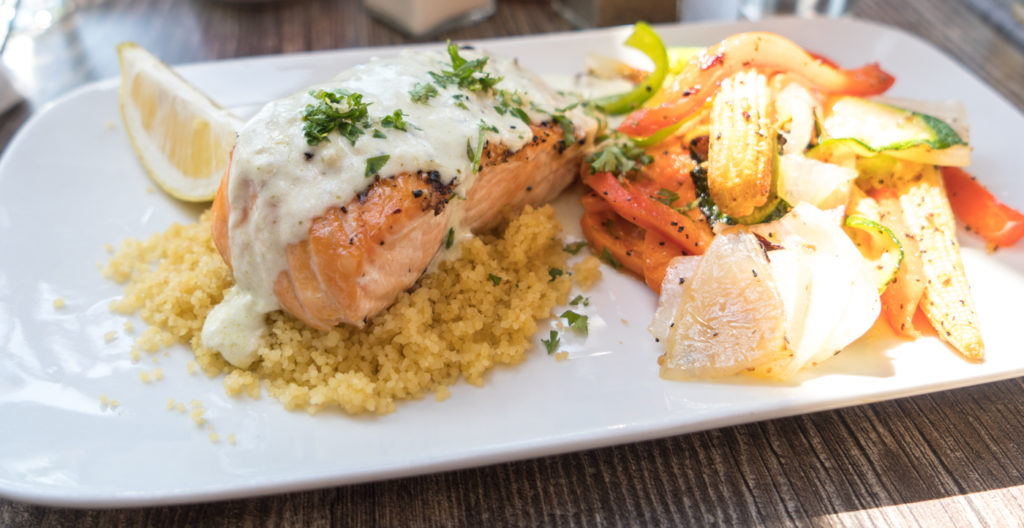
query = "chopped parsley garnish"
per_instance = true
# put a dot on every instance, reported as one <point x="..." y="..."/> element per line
<point x="577" y="322"/>
<point x="422" y="92"/>
<point x="378" y="134"/>
<point x="568" y="130"/>
<point x="555" y="273"/>
<point x="339" y="110"/>
<point x="520" y="113"/>
<point x="507" y="98"/>
<point x="494" y="279"/>
<point x="576" y="301"/>
<point x="574" y="247"/>
<point x="484" y="126"/>
<point x="688" y="207"/>
<point x="474" y="153"/>
<point x="609" y="224"/>
<point x="667" y="197"/>
<point x="569" y="106"/>
<point x="449" y="239"/>
<point x="609" y="258"/>
<point x="706" y="205"/>
<point x="460" y="101"/>
<point x="618" y="158"/>
<point x="374" y="164"/>
<point x="466" y="74"/>
<point x="511" y="103"/>
<point x="552" y="342"/>
<point x="396" y="121"/>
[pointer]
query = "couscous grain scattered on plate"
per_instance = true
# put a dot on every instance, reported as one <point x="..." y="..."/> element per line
<point x="587" y="272"/>
<point x="442" y="394"/>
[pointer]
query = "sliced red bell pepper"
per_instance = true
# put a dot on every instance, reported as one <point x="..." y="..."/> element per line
<point x="639" y="208"/>
<point x="615" y="241"/>
<point x="657" y="253"/>
<point x="999" y="224"/>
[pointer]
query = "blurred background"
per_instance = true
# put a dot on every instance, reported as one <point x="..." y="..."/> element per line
<point x="49" y="46"/>
<point x="52" y="46"/>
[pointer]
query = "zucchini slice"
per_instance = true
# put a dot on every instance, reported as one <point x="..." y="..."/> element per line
<point x="866" y="128"/>
<point x="879" y="245"/>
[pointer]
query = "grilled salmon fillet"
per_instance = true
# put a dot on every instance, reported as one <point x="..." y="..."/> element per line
<point x="358" y="257"/>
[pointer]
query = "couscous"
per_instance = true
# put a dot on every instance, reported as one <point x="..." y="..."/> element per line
<point x="457" y="323"/>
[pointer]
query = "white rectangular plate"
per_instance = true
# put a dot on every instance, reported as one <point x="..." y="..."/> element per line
<point x="69" y="183"/>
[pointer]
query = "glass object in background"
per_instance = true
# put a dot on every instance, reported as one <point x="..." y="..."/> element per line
<point x="701" y="10"/>
<point x="422" y="18"/>
<point x="757" y="9"/>
<point x="596" y="13"/>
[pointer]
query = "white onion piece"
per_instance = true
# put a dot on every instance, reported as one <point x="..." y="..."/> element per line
<point x="820" y="184"/>
<point x="680" y="270"/>
<point x="843" y="300"/>
<point x="824" y="289"/>
<point x="730" y="317"/>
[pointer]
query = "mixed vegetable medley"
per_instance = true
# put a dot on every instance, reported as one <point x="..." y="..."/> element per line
<point x="779" y="206"/>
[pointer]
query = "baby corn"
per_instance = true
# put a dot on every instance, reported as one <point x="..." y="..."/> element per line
<point x="742" y="144"/>
<point x="947" y="301"/>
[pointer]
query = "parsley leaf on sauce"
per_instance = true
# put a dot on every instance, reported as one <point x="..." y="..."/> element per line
<point x="396" y="121"/>
<point x="339" y="110"/>
<point x="474" y="153"/>
<point x="449" y="239"/>
<point x="466" y="74"/>
<point x="374" y="164"/>
<point x="484" y="126"/>
<point x="422" y="92"/>
<point x="511" y="103"/>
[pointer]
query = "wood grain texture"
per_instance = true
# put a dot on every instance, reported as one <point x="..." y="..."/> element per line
<point x="949" y="458"/>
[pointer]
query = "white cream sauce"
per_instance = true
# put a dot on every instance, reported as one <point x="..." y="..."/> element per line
<point x="279" y="183"/>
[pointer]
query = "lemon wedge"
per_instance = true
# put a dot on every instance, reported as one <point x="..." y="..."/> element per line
<point x="181" y="136"/>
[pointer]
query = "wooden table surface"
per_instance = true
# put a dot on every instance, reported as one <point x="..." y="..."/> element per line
<point x="949" y="458"/>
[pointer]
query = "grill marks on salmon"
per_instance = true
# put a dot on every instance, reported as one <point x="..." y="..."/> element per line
<point x="358" y="257"/>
